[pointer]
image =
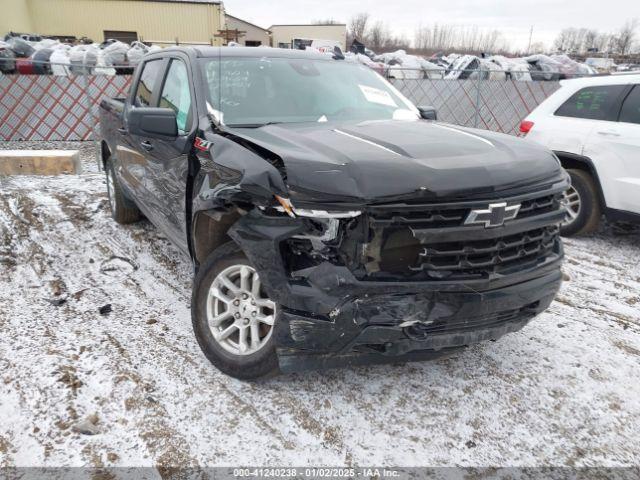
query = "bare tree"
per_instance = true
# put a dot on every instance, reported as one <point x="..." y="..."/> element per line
<point x="562" y="40"/>
<point x="580" y="40"/>
<point x="460" y="38"/>
<point x="327" y="21"/>
<point x="396" y="43"/>
<point x="626" y="36"/>
<point x="537" y="47"/>
<point x="378" y="36"/>
<point x="604" y="42"/>
<point x="591" y="39"/>
<point x="435" y="37"/>
<point x="571" y="40"/>
<point x="358" y="26"/>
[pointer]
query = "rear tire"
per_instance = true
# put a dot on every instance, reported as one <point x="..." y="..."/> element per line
<point x="246" y="313"/>
<point x="586" y="217"/>
<point x="123" y="210"/>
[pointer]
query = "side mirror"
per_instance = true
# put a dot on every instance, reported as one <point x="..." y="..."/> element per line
<point x="428" y="113"/>
<point x="153" y="122"/>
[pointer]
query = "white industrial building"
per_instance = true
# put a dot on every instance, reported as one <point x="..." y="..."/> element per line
<point x="252" y="35"/>
<point x="299" y="36"/>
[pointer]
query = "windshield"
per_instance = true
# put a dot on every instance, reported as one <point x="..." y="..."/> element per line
<point x="256" y="91"/>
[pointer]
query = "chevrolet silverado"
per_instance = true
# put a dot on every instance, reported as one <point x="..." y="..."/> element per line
<point x="330" y="221"/>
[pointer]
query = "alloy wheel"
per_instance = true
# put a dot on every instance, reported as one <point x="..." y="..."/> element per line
<point x="239" y="314"/>
<point x="571" y="202"/>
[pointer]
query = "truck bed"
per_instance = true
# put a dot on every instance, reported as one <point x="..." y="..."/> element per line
<point x="111" y="111"/>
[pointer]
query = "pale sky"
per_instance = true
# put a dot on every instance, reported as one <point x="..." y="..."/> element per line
<point x="514" y="18"/>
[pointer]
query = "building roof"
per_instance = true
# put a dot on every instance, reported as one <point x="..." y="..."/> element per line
<point x="212" y="2"/>
<point x="309" y="25"/>
<point x="248" y="23"/>
<point x="253" y="52"/>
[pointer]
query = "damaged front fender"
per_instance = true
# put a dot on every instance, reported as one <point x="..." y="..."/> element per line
<point x="230" y="180"/>
<point x="231" y="172"/>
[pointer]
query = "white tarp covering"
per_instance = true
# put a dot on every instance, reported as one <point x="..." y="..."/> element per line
<point x="83" y="58"/>
<point x="555" y="66"/>
<point x="571" y="67"/>
<point x="136" y="52"/>
<point x="45" y="43"/>
<point x="365" y="60"/>
<point x="116" y="53"/>
<point x="60" y="61"/>
<point x="518" y="68"/>
<point x="405" y="66"/>
<point x="601" y="63"/>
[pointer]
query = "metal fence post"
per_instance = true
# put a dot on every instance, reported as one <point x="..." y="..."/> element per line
<point x="87" y="95"/>
<point x="477" y="114"/>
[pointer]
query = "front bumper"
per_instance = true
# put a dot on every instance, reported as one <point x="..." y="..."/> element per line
<point x="363" y="322"/>
<point x="409" y="326"/>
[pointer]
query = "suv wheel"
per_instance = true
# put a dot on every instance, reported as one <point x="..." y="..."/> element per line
<point x="123" y="210"/>
<point x="582" y="203"/>
<point x="233" y="318"/>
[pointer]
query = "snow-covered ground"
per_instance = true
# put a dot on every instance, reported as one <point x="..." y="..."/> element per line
<point x="563" y="391"/>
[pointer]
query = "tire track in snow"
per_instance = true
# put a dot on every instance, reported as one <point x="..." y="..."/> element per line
<point x="570" y="378"/>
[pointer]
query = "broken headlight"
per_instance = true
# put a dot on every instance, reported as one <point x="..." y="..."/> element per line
<point x="287" y="206"/>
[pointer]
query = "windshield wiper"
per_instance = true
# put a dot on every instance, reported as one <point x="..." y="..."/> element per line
<point x="252" y="125"/>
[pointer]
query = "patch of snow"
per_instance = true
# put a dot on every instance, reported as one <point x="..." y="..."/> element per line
<point x="563" y="391"/>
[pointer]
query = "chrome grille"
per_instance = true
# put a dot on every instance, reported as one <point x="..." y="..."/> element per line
<point x="432" y="242"/>
<point x="485" y="256"/>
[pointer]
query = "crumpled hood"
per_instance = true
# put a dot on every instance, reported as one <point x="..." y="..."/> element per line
<point x="390" y="160"/>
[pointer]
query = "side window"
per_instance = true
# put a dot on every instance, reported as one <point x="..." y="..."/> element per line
<point x="144" y="91"/>
<point x="594" y="103"/>
<point x="630" y="112"/>
<point x="176" y="94"/>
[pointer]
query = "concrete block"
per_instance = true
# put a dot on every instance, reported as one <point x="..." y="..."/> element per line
<point x="39" y="162"/>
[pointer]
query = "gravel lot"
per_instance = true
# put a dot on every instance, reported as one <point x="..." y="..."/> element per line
<point x="563" y="391"/>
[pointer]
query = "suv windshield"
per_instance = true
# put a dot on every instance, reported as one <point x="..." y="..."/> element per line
<point x="252" y="92"/>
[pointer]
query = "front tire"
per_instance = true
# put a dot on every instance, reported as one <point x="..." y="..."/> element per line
<point x="232" y="317"/>
<point x="123" y="211"/>
<point x="582" y="203"/>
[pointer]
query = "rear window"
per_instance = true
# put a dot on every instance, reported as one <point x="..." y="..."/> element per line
<point x="594" y="103"/>
<point x="630" y="112"/>
<point x="148" y="79"/>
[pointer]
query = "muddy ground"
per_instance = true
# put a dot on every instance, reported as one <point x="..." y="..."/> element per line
<point x="129" y="386"/>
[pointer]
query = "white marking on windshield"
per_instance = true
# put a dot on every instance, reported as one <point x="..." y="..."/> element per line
<point x="375" y="95"/>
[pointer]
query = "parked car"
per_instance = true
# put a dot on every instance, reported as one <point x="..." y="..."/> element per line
<point x="593" y="126"/>
<point x="329" y="220"/>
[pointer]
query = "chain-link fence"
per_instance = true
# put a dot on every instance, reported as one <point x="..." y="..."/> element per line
<point x="55" y="107"/>
<point x="491" y="103"/>
<point x="65" y="107"/>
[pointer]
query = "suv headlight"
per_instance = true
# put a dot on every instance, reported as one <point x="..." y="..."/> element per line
<point x="287" y="206"/>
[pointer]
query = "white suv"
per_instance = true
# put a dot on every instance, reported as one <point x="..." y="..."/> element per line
<point x="593" y="126"/>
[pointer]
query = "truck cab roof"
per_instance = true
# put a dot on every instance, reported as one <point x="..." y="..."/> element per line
<point x="249" y="52"/>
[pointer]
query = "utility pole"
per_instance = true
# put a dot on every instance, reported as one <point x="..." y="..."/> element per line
<point x="530" y="36"/>
<point x="230" y="35"/>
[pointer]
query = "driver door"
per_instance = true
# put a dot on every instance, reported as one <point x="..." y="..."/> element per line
<point x="168" y="159"/>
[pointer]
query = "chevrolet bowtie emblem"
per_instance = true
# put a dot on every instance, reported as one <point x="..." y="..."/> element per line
<point x="494" y="216"/>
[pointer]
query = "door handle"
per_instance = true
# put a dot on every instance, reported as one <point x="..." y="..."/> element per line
<point x="146" y="145"/>
<point x="123" y="131"/>
<point x="608" y="133"/>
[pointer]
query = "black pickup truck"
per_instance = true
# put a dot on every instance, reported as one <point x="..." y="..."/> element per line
<point x="329" y="221"/>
